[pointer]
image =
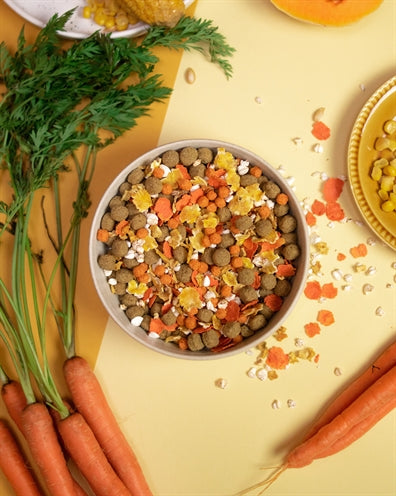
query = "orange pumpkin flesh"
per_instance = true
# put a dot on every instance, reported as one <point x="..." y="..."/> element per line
<point x="328" y="12"/>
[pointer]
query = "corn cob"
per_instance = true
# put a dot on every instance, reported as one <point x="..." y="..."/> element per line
<point x="155" y="12"/>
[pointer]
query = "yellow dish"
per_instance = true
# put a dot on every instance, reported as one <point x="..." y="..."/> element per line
<point x="380" y="107"/>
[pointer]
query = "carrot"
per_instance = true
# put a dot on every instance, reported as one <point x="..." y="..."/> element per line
<point x="359" y="429"/>
<point x="13" y="464"/>
<point x="14" y="400"/>
<point x="91" y="402"/>
<point x="87" y="454"/>
<point x="369" y="403"/>
<point x="382" y="364"/>
<point x="42" y="440"/>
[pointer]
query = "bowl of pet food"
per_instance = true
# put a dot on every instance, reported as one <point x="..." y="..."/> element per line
<point x="199" y="249"/>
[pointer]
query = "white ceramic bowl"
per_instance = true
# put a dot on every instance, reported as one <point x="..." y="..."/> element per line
<point x="111" y="301"/>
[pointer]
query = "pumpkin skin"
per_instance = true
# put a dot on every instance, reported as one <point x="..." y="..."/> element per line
<point x="328" y="12"/>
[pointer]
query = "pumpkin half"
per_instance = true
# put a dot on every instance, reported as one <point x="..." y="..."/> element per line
<point x="328" y="12"/>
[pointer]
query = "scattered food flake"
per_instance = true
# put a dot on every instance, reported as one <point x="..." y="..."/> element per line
<point x="310" y="219"/>
<point x="346" y="287"/>
<point x="312" y="329"/>
<point x="321" y="248"/>
<point x="379" y="311"/>
<point x="277" y="358"/>
<point x="371" y="241"/>
<point x="393" y="265"/>
<point x="367" y="288"/>
<point x="341" y="257"/>
<point x="320" y="130"/>
<point x="359" y="267"/>
<point x="221" y="383"/>
<point x="325" y="317"/>
<point x="298" y="141"/>
<point x="318" y="208"/>
<point x="298" y="343"/>
<point x="334" y="211"/>
<point x="348" y="277"/>
<point x="318" y="114"/>
<point x="362" y="87"/>
<point x="336" y="274"/>
<point x="280" y="334"/>
<point x="258" y="100"/>
<point x="251" y="372"/>
<point x="291" y="403"/>
<point x="332" y="189"/>
<point x="318" y="148"/>
<point x="262" y="374"/>
<point x="337" y="371"/>
<point x="276" y="404"/>
<point x="190" y="75"/>
<point x="358" y="251"/>
<point x="313" y="290"/>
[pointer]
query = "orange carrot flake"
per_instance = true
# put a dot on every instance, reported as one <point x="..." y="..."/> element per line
<point x="273" y="302"/>
<point x="358" y="251"/>
<point x="312" y="290"/>
<point x="122" y="227"/>
<point x="277" y="358"/>
<point x="334" y="211"/>
<point x="332" y="189"/>
<point x="312" y="329"/>
<point x="325" y="317"/>
<point x="318" y="208"/>
<point x="163" y="208"/>
<point x="102" y="235"/>
<point x="310" y="218"/>
<point x="232" y="311"/>
<point x="329" y="290"/>
<point x="320" y="130"/>
<point x="285" y="270"/>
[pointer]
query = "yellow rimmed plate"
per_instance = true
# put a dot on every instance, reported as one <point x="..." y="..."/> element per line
<point x="380" y="107"/>
<point x="38" y="12"/>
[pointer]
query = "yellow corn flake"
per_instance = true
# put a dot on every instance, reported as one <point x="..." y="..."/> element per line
<point x="321" y="248"/>
<point x="242" y="203"/>
<point x="224" y="160"/>
<point x="230" y="278"/>
<point x="149" y="243"/>
<point x="175" y="238"/>
<point x="173" y="177"/>
<point x="141" y="198"/>
<point x="254" y="191"/>
<point x="233" y="179"/>
<point x="189" y="298"/>
<point x="280" y="334"/>
<point x="196" y="241"/>
<point x="247" y="263"/>
<point x="190" y="214"/>
<point x="136" y="288"/>
<point x="304" y="354"/>
<point x="210" y="220"/>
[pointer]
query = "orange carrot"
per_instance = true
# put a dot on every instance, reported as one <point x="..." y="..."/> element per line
<point x="370" y="402"/>
<point x="358" y="430"/>
<point x="14" y="400"/>
<point x="13" y="464"/>
<point x="382" y="364"/>
<point x="42" y="440"/>
<point x="91" y="402"/>
<point x="88" y="456"/>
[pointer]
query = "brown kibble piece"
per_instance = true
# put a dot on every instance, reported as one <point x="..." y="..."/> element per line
<point x="138" y="221"/>
<point x="210" y="338"/>
<point x="119" y="212"/>
<point x="194" y="342"/>
<point x="290" y="251"/>
<point x="243" y="223"/>
<point x="188" y="155"/>
<point x="107" y="222"/>
<point x="205" y="155"/>
<point x="231" y="329"/>
<point x="136" y="176"/>
<point x="107" y="261"/>
<point x="246" y="276"/>
<point x="153" y="185"/>
<point x="263" y="227"/>
<point x="247" y="294"/>
<point x="119" y="248"/>
<point x="256" y="322"/>
<point x="221" y="257"/>
<point x="287" y="223"/>
<point x="123" y="275"/>
<point x="170" y="158"/>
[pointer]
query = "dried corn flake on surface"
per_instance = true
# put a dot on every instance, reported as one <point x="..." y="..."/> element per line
<point x="118" y="15"/>
<point x="201" y="248"/>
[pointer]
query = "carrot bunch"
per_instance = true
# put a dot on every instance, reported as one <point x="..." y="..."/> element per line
<point x="348" y="417"/>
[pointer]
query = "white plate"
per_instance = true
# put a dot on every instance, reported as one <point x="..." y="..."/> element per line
<point x="39" y="12"/>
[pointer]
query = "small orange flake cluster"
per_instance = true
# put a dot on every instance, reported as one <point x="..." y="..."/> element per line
<point x="332" y="189"/>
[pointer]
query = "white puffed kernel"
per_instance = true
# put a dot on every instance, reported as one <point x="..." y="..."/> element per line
<point x="251" y="372"/>
<point x="324" y="176"/>
<point x="371" y="241"/>
<point x="276" y="404"/>
<point x="112" y="281"/>
<point x="371" y="271"/>
<point x="379" y="311"/>
<point x="190" y="75"/>
<point x="348" y="277"/>
<point x="393" y="265"/>
<point x="258" y="100"/>
<point x="291" y="403"/>
<point x="107" y="273"/>
<point x="298" y="343"/>
<point x="367" y="288"/>
<point x="136" y="321"/>
<point x="318" y="148"/>
<point x="337" y="274"/>
<point x="153" y="335"/>
<point x="346" y="287"/>
<point x="221" y="383"/>
<point x="152" y="219"/>
<point x="298" y="141"/>
<point x="262" y="374"/>
<point x="337" y="371"/>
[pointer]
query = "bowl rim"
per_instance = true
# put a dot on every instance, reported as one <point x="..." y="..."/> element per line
<point x="109" y="300"/>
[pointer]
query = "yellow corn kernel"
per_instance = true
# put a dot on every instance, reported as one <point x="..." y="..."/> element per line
<point x="392" y="197"/>
<point x="389" y="170"/>
<point x="376" y="173"/>
<point x="390" y="127"/>
<point x="381" y="162"/>
<point x="386" y="183"/>
<point x="110" y="22"/>
<point x="388" y="206"/>
<point x="87" y="12"/>
<point x="383" y="194"/>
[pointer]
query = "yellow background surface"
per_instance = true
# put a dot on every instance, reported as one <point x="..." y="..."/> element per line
<point x="192" y="438"/>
